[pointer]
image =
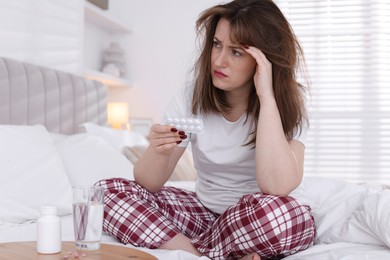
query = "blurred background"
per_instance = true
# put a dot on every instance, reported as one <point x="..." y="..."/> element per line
<point x="144" y="51"/>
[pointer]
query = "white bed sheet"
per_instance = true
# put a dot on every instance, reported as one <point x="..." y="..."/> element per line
<point x="343" y="251"/>
<point x="353" y="222"/>
<point x="334" y="251"/>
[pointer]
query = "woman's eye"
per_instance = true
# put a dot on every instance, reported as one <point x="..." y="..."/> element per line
<point x="216" y="44"/>
<point x="236" y="53"/>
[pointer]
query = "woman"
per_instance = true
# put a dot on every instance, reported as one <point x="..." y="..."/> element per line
<point x="249" y="157"/>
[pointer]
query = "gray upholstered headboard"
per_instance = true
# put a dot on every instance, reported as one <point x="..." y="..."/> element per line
<point x="31" y="94"/>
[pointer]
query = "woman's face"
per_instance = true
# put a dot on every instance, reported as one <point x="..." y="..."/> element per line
<point x="232" y="68"/>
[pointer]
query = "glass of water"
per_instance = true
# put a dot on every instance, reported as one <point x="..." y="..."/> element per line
<point x="88" y="216"/>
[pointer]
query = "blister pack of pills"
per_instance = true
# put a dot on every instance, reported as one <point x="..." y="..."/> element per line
<point x="188" y="125"/>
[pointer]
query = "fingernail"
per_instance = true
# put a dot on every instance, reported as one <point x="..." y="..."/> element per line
<point x="178" y="142"/>
<point x="183" y="137"/>
<point x="182" y="133"/>
<point x="173" y="129"/>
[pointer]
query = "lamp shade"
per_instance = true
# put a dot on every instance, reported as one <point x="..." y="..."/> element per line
<point x="118" y="114"/>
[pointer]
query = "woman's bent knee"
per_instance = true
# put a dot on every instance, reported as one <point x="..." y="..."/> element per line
<point x="287" y="226"/>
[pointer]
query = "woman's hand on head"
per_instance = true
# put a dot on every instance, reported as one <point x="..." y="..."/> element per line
<point x="263" y="75"/>
<point x="163" y="138"/>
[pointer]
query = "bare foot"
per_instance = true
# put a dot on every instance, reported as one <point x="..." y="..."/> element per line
<point x="182" y="242"/>
<point x="253" y="256"/>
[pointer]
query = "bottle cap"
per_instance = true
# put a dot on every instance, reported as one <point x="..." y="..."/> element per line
<point x="48" y="210"/>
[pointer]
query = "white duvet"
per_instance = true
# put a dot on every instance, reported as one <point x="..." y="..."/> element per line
<point x="353" y="222"/>
<point x="346" y="212"/>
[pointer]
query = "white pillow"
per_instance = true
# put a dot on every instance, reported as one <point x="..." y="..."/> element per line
<point x="348" y="212"/>
<point x="89" y="158"/>
<point x="31" y="174"/>
<point x="117" y="138"/>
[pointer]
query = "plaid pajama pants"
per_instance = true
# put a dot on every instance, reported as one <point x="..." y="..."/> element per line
<point x="272" y="226"/>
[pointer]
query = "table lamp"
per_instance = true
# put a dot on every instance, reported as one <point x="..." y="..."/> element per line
<point x="118" y="114"/>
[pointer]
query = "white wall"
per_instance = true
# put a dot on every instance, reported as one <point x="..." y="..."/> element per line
<point x="45" y="32"/>
<point x="161" y="50"/>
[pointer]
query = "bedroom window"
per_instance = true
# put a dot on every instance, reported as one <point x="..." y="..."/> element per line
<point x="347" y="50"/>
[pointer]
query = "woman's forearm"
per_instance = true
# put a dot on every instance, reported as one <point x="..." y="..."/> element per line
<point x="152" y="170"/>
<point x="156" y="165"/>
<point x="277" y="169"/>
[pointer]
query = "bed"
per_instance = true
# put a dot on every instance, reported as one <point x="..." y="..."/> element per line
<point x="53" y="135"/>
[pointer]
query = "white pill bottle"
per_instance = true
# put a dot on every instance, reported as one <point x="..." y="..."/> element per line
<point x="48" y="231"/>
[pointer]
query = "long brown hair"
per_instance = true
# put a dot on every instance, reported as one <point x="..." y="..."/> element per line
<point x="261" y="24"/>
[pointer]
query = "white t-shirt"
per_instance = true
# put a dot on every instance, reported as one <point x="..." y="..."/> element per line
<point x="226" y="167"/>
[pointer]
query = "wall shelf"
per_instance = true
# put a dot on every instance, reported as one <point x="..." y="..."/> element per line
<point x="108" y="80"/>
<point x="110" y="29"/>
<point x="100" y="18"/>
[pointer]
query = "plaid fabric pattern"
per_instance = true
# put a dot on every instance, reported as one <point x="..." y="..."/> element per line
<point x="134" y="215"/>
<point x="272" y="226"/>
